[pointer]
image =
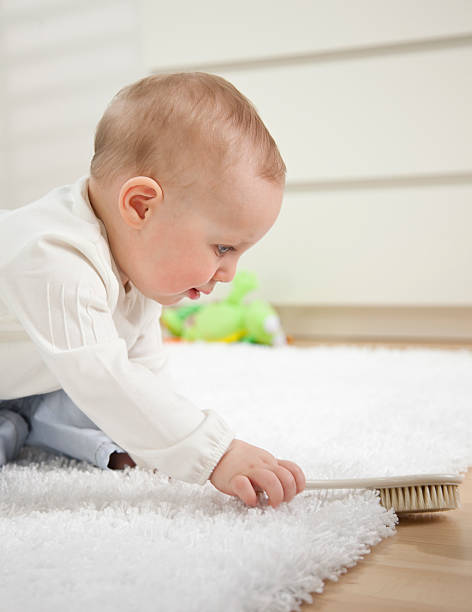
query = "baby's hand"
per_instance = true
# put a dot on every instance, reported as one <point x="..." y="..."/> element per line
<point x="245" y="469"/>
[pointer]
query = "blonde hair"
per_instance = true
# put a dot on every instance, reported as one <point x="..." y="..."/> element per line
<point x="168" y="126"/>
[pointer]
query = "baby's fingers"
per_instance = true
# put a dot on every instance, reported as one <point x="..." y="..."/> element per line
<point x="243" y="489"/>
<point x="296" y="471"/>
<point x="267" y="480"/>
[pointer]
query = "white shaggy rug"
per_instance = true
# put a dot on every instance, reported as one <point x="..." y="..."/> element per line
<point x="74" y="537"/>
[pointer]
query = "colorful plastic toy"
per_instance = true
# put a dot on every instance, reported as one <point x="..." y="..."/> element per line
<point x="229" y="320"/>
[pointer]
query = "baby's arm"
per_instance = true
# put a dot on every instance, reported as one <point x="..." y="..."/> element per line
<point x="63" y="305"/>
<point x="245" y="469"/>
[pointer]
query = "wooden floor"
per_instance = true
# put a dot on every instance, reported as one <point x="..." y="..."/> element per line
<point x="425" y="566"/>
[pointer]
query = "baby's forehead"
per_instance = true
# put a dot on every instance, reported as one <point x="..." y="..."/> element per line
<point x="230" y="226"/>
<point x="240" y="202"/>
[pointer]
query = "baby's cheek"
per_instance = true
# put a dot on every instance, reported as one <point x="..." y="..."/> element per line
<point x="196" y="271"/>
<point x="175" y="279"/>
<point x="183" y="269"/>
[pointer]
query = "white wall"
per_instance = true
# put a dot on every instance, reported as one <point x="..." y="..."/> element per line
<point x="369" y="101"/>
<point x="62" y="62"/>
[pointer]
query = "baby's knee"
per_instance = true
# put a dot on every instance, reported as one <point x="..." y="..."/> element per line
<point x="13" y="432"/>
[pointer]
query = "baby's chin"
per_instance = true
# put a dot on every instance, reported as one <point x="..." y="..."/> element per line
<point x="170" y="300"/>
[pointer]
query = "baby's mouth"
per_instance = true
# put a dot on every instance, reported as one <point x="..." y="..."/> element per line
<point x="193" y="293"/>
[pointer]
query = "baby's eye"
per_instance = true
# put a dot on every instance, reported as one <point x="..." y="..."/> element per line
<point x="220" y="246"/>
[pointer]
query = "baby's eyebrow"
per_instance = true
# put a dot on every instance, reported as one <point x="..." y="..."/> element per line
<point x="242" y="244"/>
<point x="236" y="244"/>
<point x="239" y="245"/>
<point x="233" y="243"/>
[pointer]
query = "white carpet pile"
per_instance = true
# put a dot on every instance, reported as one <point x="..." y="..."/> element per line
<point x="74" y="537"/>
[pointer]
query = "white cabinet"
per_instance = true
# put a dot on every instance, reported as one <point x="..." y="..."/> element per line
<point x="369" y="102"/>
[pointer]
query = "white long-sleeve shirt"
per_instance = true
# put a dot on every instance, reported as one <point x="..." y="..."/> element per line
<point x="67" y="322"/>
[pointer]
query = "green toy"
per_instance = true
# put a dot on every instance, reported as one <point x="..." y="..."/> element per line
<point x="229" y="320"/>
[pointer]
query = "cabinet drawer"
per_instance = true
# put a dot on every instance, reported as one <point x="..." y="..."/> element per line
<point x="382" y="116"/>
<point x="182" y="34"/>
<point x="394" y="247"/>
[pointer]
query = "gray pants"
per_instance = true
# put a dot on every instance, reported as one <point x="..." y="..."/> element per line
<point x="53" y="422"/>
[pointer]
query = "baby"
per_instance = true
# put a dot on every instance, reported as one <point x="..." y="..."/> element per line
<point x="185" y="178"/>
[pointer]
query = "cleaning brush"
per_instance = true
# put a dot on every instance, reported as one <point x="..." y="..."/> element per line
<point x="405" y="494"/>
<point x="413" y="493"/>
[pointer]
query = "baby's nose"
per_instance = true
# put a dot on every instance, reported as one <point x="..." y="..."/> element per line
<point x="225" y="274"/>
<point x="223" y="277"/>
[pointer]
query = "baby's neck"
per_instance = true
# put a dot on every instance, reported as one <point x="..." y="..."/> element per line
<point x="101" y="208"/>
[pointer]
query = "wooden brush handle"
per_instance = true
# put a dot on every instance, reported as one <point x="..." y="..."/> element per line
<point x="386" y="482"/>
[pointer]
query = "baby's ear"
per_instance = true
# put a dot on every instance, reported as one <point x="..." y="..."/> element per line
<point x="138" y="196"/>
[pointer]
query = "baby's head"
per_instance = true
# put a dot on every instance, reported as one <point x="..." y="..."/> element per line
<point x="185" y="178"/>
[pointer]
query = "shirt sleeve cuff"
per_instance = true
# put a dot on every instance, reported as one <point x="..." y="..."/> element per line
<point x="194" y="458"/>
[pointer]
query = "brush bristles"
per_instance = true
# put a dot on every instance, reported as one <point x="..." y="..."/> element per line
<point x="425" y="498"/>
